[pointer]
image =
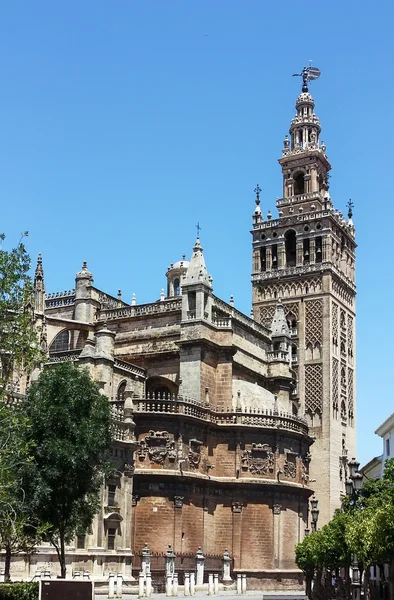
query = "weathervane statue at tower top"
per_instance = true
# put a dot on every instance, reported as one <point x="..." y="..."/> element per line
<point x="308" y="74"/>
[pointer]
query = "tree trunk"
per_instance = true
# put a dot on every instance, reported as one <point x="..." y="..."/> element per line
<point x="367" y="584"/>
<point x="391" y="579"/>
<point x="62" y="557"/>
<point x="7" y="565"/>
<point x="348" y="590"/>
<point x="308" y="584"/>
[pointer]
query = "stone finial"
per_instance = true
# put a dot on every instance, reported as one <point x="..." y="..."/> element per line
<point x="39" y="270"/>
<point x="162" y="295"/>
<point x="133" y="300"/>
<point x="231" y="300"/>
<point x="119" y="294"/>
<point x="280" y="326"/>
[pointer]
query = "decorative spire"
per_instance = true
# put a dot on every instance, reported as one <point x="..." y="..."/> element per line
<point x="350" y="206"/>
<point x="197" y="270"/>
<point x="39" y="270"/>
<point x="257" y="191"/>
<point x="279" y="325"/>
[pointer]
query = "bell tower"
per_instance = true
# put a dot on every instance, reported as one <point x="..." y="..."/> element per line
<point x="306" y="258"/>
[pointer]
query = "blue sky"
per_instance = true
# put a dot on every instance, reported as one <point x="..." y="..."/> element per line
<point x="123" y="124"/>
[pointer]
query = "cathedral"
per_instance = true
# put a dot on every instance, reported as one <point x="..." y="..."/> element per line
<point x="225" y="424"/>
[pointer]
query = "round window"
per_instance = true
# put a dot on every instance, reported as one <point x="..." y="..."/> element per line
<point x="263" y="236"/>
<point x="318" y="226"/>
<point x="275" y="234"/>
<point x="306" y="228"/>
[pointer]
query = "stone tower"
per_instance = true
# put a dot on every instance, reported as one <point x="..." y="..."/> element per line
<point x="306" y="258"/>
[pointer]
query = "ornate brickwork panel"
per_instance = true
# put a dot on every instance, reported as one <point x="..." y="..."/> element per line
<point x="342" y="292"/>
<point x="314" y="321"/>
<point x="291" y="307"/>
<point x="342" y="319"/>
<point x="350" y="392"/>
<point x="334" y="324"/>
<point x="335" y="384"/>
<point x="313" y="388"/>
<point x="266" y="315"/>
<point x="350" y="336"/>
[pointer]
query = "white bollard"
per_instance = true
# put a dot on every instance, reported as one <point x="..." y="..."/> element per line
<point x="175" y="585"/>
<point x="216" y="583"/>
<point x="210" y="584"/>
<point x="192" y="584"/>
<point x="119" y="582"/>
<point x="239" y="583"/>
<point x="148" y="585"/>
<point x="111" y="585"/>
<point x="186" y="587"/>
<point x="141" y="584"/>
<point x="169" y="585"/>
<point x="244" y="583"/>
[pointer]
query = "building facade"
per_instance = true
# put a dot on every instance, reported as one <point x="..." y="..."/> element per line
<point x="225" y="424"/>
<point x="306" y="257"/>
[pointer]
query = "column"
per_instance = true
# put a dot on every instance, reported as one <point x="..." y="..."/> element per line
<point x="192" y="584"/>
<point x="276" y="509"/>
<point x="178" y="506"/>
<point x="269" y="258"/>
<point x="186" y="587"/>
<point x="200" y="558"/>
<point x="312" y="251"/>
<point x="300" y="253"/>
<point x="237" y="533"/>
<point x="111" y="585"/>
<point x="281" y="255"/>
<point x="119" y="582"/>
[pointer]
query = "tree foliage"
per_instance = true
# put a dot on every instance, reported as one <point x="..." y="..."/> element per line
<point x="70" y="428"/>
<point x="19" y="349"/>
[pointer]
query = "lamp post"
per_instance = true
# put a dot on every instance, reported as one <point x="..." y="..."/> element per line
<point x="353" y="486"/>
<point x="314" y="513"/>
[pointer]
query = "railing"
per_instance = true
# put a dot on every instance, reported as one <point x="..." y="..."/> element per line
<point x="299" y="198"/>
<point x="266" y="418"/>
<point x="278" y="355"/>
<point x="142" y="309"/>
<point x="56" y="299"/>
<point x="222" y="322"/>
<point x="125" y="366"/>
<point x="64" y="356"/>
<point x="239" y="317"/>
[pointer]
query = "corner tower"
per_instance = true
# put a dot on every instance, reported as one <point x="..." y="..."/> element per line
<point x="306" y="258"/>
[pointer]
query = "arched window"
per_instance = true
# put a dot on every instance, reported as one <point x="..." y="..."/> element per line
<point x="60" y="343"/>
<point x="177" y="287"/>
<point x="290" y="242"/>
<point x="121" y="391"/>
<point x="299" y="184"/>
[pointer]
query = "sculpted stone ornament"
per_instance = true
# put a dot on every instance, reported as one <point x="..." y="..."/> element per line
<point x="158" y="446"/>
<point x="178" y="501"/>
<point x="290" y="465"/>
<point x="259" y="460"/>
<point x="194" y="455"/>
<point x="236" y="507"/>
<point x="276" y="509"/>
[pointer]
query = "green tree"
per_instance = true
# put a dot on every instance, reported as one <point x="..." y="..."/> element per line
<point x="71" y="431"/>
<point x="19" y="349"/>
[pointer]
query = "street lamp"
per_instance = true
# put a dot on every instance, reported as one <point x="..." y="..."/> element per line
<point x="353" y="486"/>
<point x="314" y="512"/>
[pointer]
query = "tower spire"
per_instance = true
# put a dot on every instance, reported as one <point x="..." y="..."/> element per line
<point x="39" y="286"/>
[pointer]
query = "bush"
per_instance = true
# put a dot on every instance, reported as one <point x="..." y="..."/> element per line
<point x="19" y="591"/>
